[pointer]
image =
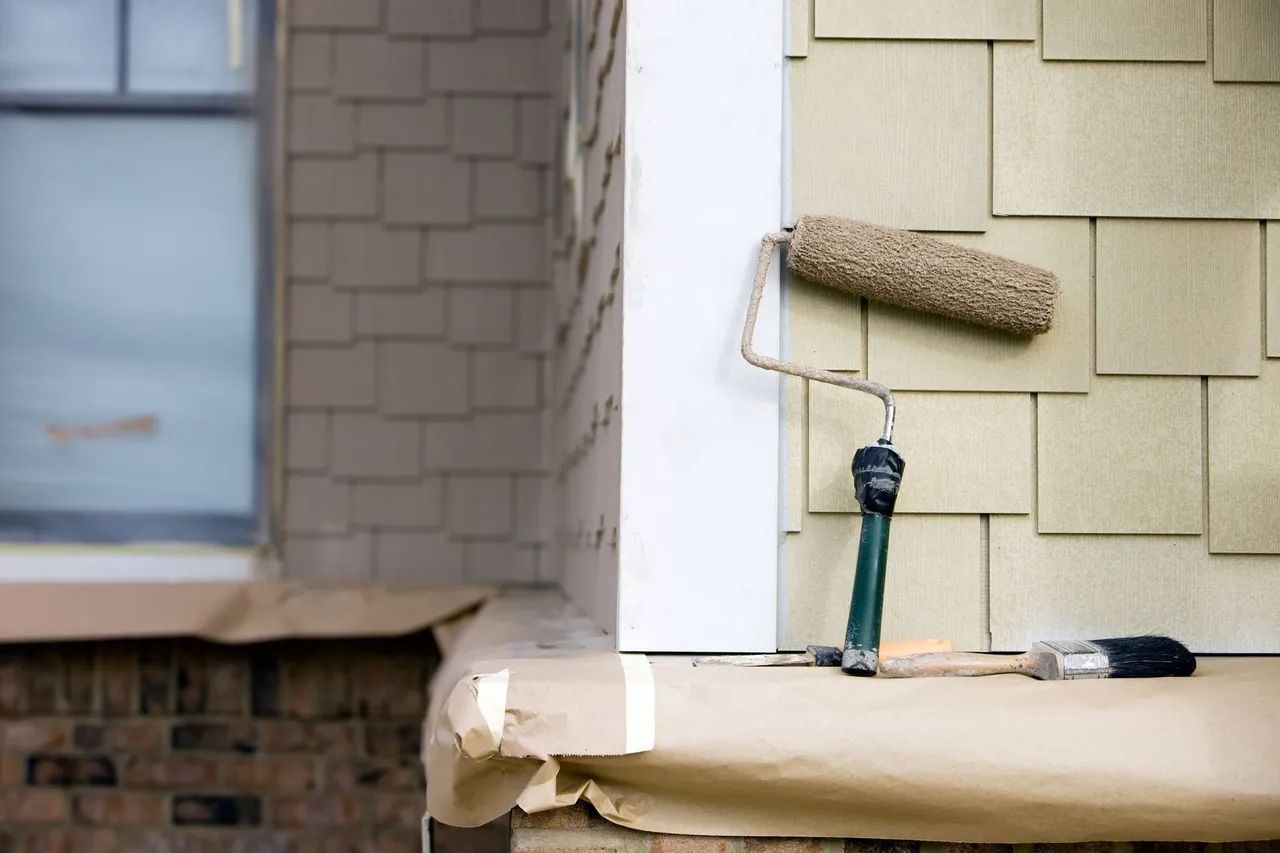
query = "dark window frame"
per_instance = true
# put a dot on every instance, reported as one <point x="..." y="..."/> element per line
<point x="234" y="530"/>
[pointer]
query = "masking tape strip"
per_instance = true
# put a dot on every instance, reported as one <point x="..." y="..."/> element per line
<point x="637" y="678"/>
<point x="491" y="698"/>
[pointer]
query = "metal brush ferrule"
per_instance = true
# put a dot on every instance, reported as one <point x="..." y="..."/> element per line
<point x="1077" y="658"/>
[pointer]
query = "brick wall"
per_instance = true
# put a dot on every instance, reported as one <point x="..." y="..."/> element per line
<point x="580" y="830"/>
<point x="189" y="746"/>
<point x="418" y="134"/>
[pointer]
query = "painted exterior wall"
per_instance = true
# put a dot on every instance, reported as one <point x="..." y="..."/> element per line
<point x="1120" y="474"/>
<point x="419" y="137"/>
<point x="586" y="265"/>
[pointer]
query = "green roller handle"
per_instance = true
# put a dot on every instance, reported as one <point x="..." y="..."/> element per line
<point x="862" y="636"/>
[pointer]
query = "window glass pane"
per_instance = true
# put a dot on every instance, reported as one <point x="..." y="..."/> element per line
<point x="187" y="46"/>
<point x="127" y="314"/>
<point x="58" y="45"/>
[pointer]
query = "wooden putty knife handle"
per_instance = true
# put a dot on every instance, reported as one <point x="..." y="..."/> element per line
<point x="932" y="664"/>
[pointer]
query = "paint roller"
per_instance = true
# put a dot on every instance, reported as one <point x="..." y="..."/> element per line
<point x="912" y="271"/>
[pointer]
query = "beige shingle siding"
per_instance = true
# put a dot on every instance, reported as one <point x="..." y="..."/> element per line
<point x="408" y="395"/>
<point x="1147" y="501"/>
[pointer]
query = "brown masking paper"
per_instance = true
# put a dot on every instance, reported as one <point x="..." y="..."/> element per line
<point x="225" y="612"/>
<point x="813" y="752"/>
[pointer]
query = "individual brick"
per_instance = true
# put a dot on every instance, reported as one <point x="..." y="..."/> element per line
<point x="33" y="735"/>
<point x="422" y="379"/>
<point x="318" y="810"/>
<point x="505" y="64"/>
<point x="80" y="676"/>
<point x="579" y="816"/>
<point x="155" y="679"/>
<point x="118" y="661"/>
<point x="306" y="442"/>
<point x="867" y="845"/>
<point x="499" y="562"/>
<point x="479" y="506"/>
<point x="505" y="380"/>
<point x="488" y="442"/>
<point x="67" y="770"/>
<point x="511" y="16"/>
<point x="166" y="771"/>
<point x="32" y="806"/>
<point x="417" y="557"/>
<point x="336" y="14"/>
<point x="341" y="558"/>
<point x="368" y="446"/>
<point x="70" y="840"/>
<point x="335" y="377"/>
<point x="393" y="740"/>
<point x="214" y="737"/>
<point x="368" y="255"/>
<point x="189" y="678"/>
<point x="422" y="125"/>
<point x="318" y="314"/>
<point x="370" y="66"/>
<point x="118" y="807"/>
<point x="484" y="127"/>
<point x="686" y="844"/>
<point x="425" y="189"/>
<point x="315" y="687"/>
<point x="437" y="18"/>
<point x="385" y="505"/>
<point x="227" y="689"/>
<point x="480" y="316"/>
<point x="782" y="845"/>
<point x="404" y="774"/>
<point x="275" y="774"/>
<point x="537" y="139"/>
<point x="414" y="315"/>
<point x="206" y="810"/>
<point x="489" y="253"/>
<point x="316" y="504"/>
<point x="310" y="61"/>
<point x="334" y="186"/>
<point x="388" y="687"/>
<point x="292" y="736"/>
<point x="123" y="736"/>
<point x="264" y="683"/>
<point x="320" y="125"/>
<point x="403" y="810"/>
<point x="309" y="250"/>
<point x="507" y="190"/>
<point x="13" y="682"/>
<point x="44" y="679"/>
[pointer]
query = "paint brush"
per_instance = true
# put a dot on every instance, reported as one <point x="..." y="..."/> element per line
<point x="1148" y="656"/>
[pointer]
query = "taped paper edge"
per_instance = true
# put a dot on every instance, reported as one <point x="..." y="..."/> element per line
<point x="637" y="677"/>
<point x="491" y="699"/>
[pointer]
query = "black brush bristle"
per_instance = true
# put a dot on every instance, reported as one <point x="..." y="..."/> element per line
<point x="1149" y="656"/>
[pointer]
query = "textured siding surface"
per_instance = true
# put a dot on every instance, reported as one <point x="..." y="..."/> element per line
<point x="1165" y="30"/>
<point x="985" y="20"/>
<point x="1120" y="474"/>
<point x="418" y="145"/>
<point x="586" y="395"/>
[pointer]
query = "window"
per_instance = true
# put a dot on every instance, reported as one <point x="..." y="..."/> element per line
<point x="135" y="269"/>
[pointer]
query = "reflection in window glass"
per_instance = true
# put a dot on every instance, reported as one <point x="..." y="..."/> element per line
<point x="58" y="45"/>
<point x="128" y="314"/>
<point x="197" y="46"/>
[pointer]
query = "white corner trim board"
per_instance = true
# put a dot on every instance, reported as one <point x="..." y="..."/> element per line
<point x="704" y="167"/>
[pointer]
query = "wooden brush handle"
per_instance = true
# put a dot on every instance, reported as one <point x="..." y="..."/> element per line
<point x="931" y="664"/>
